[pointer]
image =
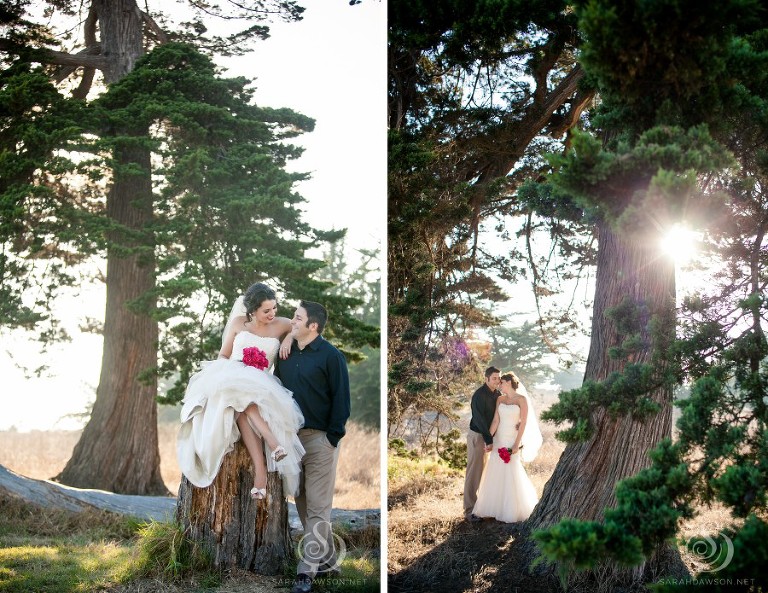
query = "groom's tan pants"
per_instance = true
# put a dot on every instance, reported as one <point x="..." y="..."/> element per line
<point x="476" y="459"/>
<point x="315" y="500"/>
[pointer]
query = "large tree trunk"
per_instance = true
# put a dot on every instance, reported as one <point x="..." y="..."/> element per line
<point x="118" y="450"/>
<point x="238" y="531"/>
<point x="122" y="36"/>
<point x="584" y="479"/>
<point x="583" y="482"/>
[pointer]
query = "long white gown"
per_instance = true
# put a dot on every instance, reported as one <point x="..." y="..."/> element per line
<point x="213" y="398"/>
<point x="506" y="493"/>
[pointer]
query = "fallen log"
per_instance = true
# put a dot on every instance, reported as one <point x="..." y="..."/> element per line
<point x="52" y="495"/>
<point x="47" y="494"/>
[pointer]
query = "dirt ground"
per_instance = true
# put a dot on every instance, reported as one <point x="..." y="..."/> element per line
<point x="474" y="557"/>
<point x="431" y="547"/>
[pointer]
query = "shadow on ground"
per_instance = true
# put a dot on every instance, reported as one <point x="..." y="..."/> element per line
<point x="476" y="557"/>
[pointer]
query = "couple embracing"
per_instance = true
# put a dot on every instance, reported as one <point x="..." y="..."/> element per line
<point x="503" y="425"/>
<point x="282" y="388"/>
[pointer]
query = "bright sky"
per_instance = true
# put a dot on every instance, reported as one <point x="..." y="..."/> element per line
<point x="330" y="66"/>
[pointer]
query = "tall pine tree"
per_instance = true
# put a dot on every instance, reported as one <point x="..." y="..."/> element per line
<point x="173" y="175"/>
<point x="719" y="454"/>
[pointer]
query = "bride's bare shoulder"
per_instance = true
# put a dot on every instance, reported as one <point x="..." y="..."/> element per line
<point x="237" y="324"/>
<point x="284" y="325"/>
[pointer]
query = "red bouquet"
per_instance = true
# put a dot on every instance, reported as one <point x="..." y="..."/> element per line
<point x="255" y="357"/>
<point x="505" y="454"/>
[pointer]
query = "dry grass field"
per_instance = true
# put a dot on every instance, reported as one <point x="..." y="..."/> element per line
<point x="431" y="547"/>
<point x="43" y="454"/>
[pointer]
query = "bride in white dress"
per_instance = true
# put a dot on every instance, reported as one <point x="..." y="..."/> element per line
<point x="506" y="493"/>
<point x="228" y="399"/>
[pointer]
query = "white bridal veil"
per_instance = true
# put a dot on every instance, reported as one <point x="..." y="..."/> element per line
<point x="532" y="439"/>
<point x="238" y="310"/>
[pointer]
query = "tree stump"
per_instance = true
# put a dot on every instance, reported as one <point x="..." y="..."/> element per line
<point x="238" y="532"/>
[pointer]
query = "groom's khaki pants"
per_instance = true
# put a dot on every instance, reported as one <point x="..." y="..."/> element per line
<point x="476" y="459"/>
<point x="315" y="500"/>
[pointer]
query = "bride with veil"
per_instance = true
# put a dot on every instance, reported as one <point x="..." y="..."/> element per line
<point x="506" y="492"/>
<point x="238" y="396"/>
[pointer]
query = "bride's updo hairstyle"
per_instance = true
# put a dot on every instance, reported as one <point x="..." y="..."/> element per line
<point x="512" y="378"/>
<point x="255" y="295"/>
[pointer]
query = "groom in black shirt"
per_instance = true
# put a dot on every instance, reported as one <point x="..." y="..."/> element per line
<point x="316" y="373"/>
<point x="479" y="439"/>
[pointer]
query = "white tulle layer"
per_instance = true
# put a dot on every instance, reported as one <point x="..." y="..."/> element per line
<point x="214" y="396"/>
<point x="506" y="493"/>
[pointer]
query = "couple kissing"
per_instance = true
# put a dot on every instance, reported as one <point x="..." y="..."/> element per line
<point x="503" y="432"/>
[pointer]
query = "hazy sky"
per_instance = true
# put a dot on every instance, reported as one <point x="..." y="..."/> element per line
<point x="330" y="66"/>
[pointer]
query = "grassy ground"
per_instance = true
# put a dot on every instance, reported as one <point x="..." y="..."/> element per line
<point x="431" y="548"/>
<point x="60" y="552"/>
<point x="45" y="551"/>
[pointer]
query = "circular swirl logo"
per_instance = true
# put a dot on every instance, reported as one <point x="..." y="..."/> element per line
<point x="322" y="549"/>
<point x="718" y="554"/>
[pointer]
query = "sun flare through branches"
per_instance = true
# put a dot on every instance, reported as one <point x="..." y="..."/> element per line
<point x="679" y="243"/>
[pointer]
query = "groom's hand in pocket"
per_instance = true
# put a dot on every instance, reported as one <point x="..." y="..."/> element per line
<point x="488" y="448"/>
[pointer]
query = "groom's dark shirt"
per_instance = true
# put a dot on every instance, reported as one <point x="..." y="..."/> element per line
<point x="319" y="380"/>
<point x="483" y="409"/>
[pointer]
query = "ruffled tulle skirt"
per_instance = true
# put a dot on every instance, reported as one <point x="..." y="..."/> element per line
<point x="506" y="493"/>
<point x="214" y="397"/>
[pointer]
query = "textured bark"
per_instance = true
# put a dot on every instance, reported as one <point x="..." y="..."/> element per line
<point x="237" y="531"/>
<point x="120" y="23"/>
<point x="118" y="450"/>
<point x="582" y="485"/>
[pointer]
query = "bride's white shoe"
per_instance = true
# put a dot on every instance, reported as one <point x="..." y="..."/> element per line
<point x="279" y="454"/>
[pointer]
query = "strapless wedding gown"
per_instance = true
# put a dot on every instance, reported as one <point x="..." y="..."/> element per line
<point x="506" y="493"/>
<point x="213" y="398"/>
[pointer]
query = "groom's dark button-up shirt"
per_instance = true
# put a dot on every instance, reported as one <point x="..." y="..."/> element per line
<point x="319" y="380"/>
<point x="483" y="409"/>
